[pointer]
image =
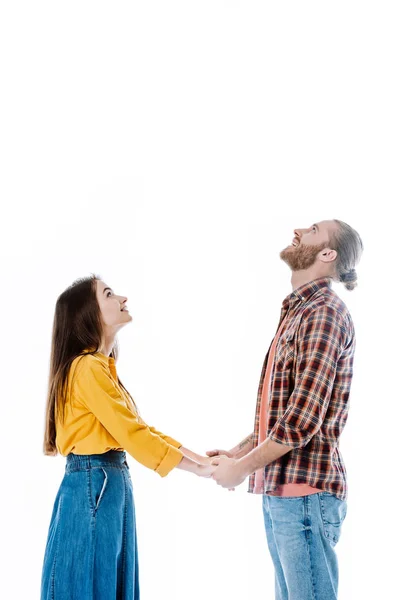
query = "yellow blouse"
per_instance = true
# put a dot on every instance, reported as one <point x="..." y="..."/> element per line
<point x="98" y="418"/>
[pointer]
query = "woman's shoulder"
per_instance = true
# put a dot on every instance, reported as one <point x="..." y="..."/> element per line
<point x="87" y="372"/>
<point x="86" y="362"/>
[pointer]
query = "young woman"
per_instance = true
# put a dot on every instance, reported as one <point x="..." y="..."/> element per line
<point x="91" y="550"/>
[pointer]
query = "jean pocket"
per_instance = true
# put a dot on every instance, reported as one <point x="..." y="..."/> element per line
<point x="333" y="513"/>
<point x="97" y="485"/>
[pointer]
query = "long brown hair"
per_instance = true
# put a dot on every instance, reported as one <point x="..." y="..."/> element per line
<point x="77" y="330"/>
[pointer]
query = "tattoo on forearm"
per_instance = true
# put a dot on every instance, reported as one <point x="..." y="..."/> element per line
<point x="245" y="442"/>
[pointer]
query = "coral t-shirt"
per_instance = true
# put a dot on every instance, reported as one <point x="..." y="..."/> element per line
<point x="286" y="489"/>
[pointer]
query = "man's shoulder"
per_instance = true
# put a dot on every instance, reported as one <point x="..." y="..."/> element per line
<point x="328" y="304"/>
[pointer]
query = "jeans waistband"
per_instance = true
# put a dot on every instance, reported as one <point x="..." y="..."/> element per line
<point x="75" y="462"/>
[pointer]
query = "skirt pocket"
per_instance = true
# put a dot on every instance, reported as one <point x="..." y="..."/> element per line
<point x="97" y="483"/>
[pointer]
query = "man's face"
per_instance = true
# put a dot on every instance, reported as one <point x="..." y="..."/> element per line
<point x="307" y="244"/>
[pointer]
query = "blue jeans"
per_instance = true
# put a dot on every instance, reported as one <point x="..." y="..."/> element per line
<point x="302" y="533"/>
<point x="91" y="549"/>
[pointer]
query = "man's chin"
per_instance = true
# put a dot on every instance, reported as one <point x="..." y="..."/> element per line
<point x="286" y="252"/>
<point x="287" y="256"/>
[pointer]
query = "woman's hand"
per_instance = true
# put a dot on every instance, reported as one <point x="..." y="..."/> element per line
<point x="202" y="465"/>
<point x="197" y="458"/>
<point x="206" y="470"/>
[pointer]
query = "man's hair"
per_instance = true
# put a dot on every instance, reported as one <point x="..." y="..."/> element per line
<point x="349" y="247"/>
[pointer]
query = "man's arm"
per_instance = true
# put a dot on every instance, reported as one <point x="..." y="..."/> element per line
<point x="243" y="448"/>
<point x="262" y="456"/>
<point x="232" y="472"/>
<point x="238" y="451"/>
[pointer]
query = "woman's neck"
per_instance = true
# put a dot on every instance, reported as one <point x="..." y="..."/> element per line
<point x="107" y="345"/>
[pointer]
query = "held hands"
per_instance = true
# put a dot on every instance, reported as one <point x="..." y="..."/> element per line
<point x="220" y="465"/>
<point x="229" y="472"/>
<point x="207" y="465"/>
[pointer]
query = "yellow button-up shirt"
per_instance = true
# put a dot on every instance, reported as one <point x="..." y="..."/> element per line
<point x="99" y="417"/>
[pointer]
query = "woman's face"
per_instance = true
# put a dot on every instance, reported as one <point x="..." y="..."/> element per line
<point x="114" y="312"/>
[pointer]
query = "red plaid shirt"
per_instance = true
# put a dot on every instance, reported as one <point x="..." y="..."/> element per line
<point x="309" y="393"/>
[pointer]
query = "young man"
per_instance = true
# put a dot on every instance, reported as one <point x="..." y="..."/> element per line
<point x="293" y="455"/>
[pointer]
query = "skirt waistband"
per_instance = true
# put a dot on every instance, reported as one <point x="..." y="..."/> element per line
<point x="76" y="462"/>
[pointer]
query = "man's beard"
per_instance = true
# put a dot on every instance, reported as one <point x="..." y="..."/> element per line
<point x="301" y="257"/>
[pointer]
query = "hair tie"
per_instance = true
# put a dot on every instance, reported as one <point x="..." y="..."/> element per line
<point x="348" y="276"/>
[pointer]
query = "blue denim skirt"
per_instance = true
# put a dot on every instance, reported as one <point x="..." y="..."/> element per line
<point x="91" y="549"/>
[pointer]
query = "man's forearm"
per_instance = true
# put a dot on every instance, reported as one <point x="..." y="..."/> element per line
<point x="243" y="448"/>
<point x="263" y="455"/>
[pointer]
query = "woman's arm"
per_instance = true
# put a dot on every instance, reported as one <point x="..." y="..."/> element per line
<point x="96" y="390"/>
<point x="94" y="387"/>
<point x="201" y="460"/>
<point x="202" y="470"/>
<point x="171" y="441"/>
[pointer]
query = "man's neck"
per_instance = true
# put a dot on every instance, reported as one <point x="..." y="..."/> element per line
<point x="300" y="278"/>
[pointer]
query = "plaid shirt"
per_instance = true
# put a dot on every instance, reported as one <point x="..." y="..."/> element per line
<point x="309" y="393"/>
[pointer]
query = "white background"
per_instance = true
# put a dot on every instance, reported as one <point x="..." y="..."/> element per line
<point x="172" y="147"/>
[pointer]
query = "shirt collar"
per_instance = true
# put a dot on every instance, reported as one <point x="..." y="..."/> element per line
<point x="106" y="360"/>
<point x="306" y="291"/>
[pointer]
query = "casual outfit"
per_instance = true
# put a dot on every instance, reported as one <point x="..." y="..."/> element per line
<point x="91" y="550"/>
<point x="303" y="402"/>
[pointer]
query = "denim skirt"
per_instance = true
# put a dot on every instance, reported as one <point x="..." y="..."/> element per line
<point x="91" y="549"/>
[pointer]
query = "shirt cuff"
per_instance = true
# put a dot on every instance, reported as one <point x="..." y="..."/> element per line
<point x="170" y="461"/>
<point x="283" y="433"/>
<point x="173" y="442"/>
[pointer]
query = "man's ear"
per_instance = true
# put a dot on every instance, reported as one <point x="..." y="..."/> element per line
<point x="327" y="255"/>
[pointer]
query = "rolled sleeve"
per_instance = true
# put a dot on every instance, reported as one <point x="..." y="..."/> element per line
<point x="170" y="461"/>
<point x="322" y="337"/>
<point x="167" y="438"/>
<point x="96" y="389"/>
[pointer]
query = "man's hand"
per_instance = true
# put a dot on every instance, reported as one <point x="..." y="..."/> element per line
<point x="197" y="458"/>
<point x="219" y="453"/>
<point x="229" y="472"/>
